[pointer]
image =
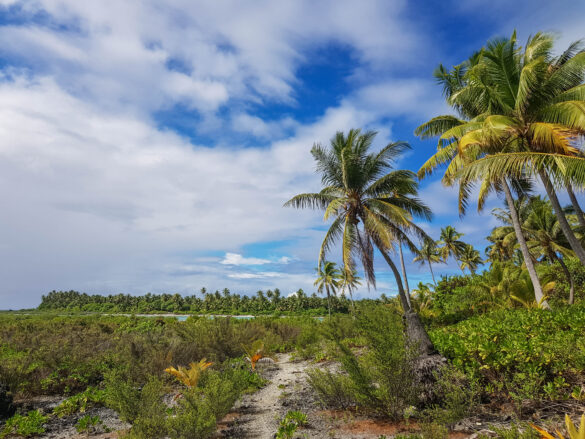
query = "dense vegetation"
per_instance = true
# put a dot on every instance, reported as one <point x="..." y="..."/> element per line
<point x="268" y="302"/>
<point x="121" y="362"/>
<point x="507" y="339"/>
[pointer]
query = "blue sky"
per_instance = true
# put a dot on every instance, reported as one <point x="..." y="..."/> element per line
<point x="149" y="146"/>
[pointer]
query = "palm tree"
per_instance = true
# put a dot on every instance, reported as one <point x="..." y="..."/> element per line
<point x="450" y="244"/>
<point x="429" y="253"/>
<point x="532" y="102"/>
<point x="349" y="282"/>
<point x="372" y="206"/>
<point x="328" y="280"/>
<point x="546" y="239"/>
<point x="470" y="259"/>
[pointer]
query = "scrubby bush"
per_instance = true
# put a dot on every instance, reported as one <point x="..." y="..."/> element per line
<point x="380" y="378"/>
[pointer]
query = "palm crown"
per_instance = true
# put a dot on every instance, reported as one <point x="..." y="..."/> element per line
<point x="371" y="205"/>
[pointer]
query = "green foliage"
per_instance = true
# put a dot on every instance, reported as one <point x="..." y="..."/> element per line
<point x="381" y="378"/>
<point x="226" y="302"/>
<point x="88" y="424"/>
<point x="290" y="423"/>
<point x="80" y="402"/>
<point x="525" y="354"/>
<point x="25" y="425"/>
<point x="457" y="396"/>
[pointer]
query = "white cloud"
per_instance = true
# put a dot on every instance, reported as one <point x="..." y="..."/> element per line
<point x="261" y="275"/>
<point x="237" y="259"/>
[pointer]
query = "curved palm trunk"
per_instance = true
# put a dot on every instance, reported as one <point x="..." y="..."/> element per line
<point x="415" y="331"/>
<point x="565" y="226"/>
<point x="539" y="296"/>
<point x="328" y="299"/>
<point x="428" y="363"/>
<point x="432" y="274"/>
<point x="576" y="206"/>
<point x="404" y="275"/>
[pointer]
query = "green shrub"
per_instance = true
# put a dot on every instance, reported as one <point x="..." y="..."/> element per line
<point x="457" y="396"/>
<point x="380" y="378"/>
<point x="523" y="354"/>
<point x="25" y="425"/>
<point x="151" y="417"/>
<point x="290" y="423"/>
<point x="88" y="424"/>
<point x="80" y="402"/>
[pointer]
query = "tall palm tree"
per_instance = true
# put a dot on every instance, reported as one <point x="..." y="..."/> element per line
<point x="429" y="253"/>
<point x="372" y="206"/>
<point x="450" y="244"/>
<point x="533" y="102"/>
<point x="470" y="259"/>
<point x="328" y="280"/>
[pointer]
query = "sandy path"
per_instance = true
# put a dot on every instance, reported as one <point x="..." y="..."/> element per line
<point x="261" y="412"/>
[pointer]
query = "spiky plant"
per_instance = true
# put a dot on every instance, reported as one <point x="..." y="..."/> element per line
<point x="189" y="376"/>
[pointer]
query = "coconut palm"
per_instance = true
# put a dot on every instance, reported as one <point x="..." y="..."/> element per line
<point x="450" y="244"/>
<point x="372" y="206"/>
<point x="349" y="282"/>
<point x="470" y="259"/>
<point x="546" y="239"/>
<point x="532" y="102"/>
<point x="429" y="253"/>
<point x="328" y="280"/>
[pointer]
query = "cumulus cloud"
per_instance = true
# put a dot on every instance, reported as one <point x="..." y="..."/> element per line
<point x="237" y="259"/>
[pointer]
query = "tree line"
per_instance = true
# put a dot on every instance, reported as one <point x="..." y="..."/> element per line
<point x="224" y="302"/>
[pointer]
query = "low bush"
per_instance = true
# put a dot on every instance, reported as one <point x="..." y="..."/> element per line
<point x="519" y="354"/>
<point x="27" y="425"/>
<point x="380" y="378"/>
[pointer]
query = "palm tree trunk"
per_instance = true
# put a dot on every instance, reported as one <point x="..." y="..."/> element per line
<point x="539" y="296"/>
<point x="415" y="331"/>
<point x="432" y="274"/>
<point x="569" y="277"/>
<point x="428" y="364"/>
<point x="328" y="299"/>
<point x="576" y="206"/>
<point x="565" y="226"/>
<point x="404" y="275"/>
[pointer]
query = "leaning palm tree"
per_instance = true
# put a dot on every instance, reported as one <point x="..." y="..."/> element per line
<point x="429" y="253"/>
<point x="470" y="259"/>
<point x="328" y="280"/>
<point x="450" y="244"/>
<point x="372" y="207"/>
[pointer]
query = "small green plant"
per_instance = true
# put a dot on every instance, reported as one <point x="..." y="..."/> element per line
<point x="28" y="425"/>
<point x="290" y="423"/>
<point x="80" y="402"/>
<point x="88" y="424"/>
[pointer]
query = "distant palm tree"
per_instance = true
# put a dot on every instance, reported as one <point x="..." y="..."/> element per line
<point x="450" y="243"/>
<point x="349" y="282"/>
<point x="470" y="259"/>
<point x="372" y="206"/>
<point x="328" y="280"/>
<point x="429" y="253"/>
<point x="546" y="239"/>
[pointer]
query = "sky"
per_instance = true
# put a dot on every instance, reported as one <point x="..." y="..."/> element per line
<point x="148" y="146"/>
